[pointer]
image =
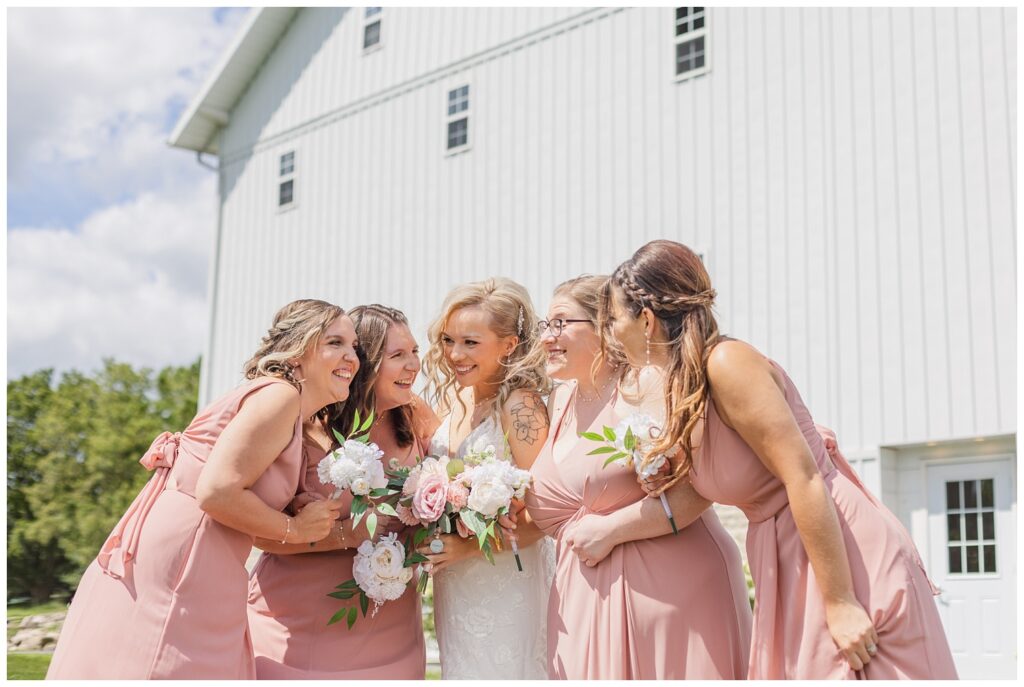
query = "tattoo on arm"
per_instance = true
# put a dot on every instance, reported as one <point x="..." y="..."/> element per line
<point x="529" y="416"/>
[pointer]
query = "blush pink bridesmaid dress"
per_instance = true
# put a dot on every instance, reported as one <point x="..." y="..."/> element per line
<point x="791" y="639"/>
<point x="165" y="597"/>
<point x="673" y="607"/>
<point x="289" y="609"/>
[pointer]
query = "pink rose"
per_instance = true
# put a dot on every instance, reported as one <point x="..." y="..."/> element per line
<point x="458" y="495"/>
<point x="430" y="497"/>
<point x="405" y="515"/>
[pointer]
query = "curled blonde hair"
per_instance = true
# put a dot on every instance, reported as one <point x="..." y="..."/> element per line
<point x="512" y="314"/>
<point x="297" y="327"/>
<point x="670" y="279"/>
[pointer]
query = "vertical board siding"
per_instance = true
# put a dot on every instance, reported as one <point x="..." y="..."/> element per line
<point x="848" y="175"/>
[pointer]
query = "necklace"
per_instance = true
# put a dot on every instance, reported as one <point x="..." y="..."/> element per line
<point x="600" y="394"/>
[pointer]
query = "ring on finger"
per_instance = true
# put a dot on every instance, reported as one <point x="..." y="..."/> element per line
<point x="872" y="649"/>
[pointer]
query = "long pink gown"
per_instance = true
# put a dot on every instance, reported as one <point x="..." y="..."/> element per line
<point x="791" y="639"/>
<point x="673" y="607"/>
<point x="165" y="597"/>
<point x="289" y="609"/>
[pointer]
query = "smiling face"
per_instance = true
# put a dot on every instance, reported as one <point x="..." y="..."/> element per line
<point x="627" y="329"/>
<point x="472" y="349"/>
<point x="571" y="354"/>
<point x="328" y="366"/>
<point x="399" y="365"/>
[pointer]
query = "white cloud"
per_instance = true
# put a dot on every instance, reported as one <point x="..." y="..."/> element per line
<point x="129" y="283"/>
<point x="92" y="94"/>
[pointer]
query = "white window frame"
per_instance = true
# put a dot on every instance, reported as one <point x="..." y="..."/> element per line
<point x="466" y="114"/>
<point x="283" y="177"/>
<point x="703" y="32"/>
<point x="378" y="18"/>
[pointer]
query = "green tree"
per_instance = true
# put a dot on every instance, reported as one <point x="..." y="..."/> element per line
<point x="77" y="470"/>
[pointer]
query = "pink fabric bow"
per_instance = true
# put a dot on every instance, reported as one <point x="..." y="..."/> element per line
<point x="160" y="456"/>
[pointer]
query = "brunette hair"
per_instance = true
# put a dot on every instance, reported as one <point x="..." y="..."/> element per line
<point x="669" y="279"/>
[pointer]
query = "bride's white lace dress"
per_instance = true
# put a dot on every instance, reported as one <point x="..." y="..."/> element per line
<point x="491" y="619"/>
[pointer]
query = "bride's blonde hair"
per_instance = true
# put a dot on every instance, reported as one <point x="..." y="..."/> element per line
<point x="512" y="314"/>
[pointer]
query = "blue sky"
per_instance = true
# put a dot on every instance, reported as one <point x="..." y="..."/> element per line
<point x="108" y="228"/>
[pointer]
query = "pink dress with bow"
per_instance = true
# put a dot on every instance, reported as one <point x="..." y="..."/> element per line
<point x="791" y="638"/>
<point x="166" y="596"/>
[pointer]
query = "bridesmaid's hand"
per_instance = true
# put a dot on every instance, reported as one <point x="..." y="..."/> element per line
<point x="314" y="521"/>
<point x="852" y="631"/>
<point x="652" y="486"/>
<point x="590" y="539"/>
<point x="456" y="549"/>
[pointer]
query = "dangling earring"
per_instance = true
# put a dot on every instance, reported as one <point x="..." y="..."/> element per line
<point x="647" y="338"/>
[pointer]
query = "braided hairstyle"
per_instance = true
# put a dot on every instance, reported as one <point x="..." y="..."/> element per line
<point x="297" y="327"/>
<point x="372" y="323"/>
<point x="670" y="280"/>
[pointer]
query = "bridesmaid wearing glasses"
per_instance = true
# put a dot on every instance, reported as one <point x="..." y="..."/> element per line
<point x="617" y="610"/>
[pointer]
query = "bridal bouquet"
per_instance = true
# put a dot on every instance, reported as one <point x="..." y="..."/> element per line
<point x="356" y="465"/>
<point x="625" y="445"/>
<point x="381" y="573"/>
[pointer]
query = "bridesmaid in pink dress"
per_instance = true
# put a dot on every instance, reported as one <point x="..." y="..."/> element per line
<point x="840" y="589"/>
<point x="626" y="617"/>
<point x="288" y="603"/>
<point x="165" y="597"/>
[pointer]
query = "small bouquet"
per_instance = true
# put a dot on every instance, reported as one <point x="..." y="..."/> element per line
<point x="381" y="572"/>
<point x="356" y="465"/>
<point x="625" y="445"/>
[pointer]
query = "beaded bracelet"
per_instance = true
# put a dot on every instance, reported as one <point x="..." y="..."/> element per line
<point x="287" y="529"/>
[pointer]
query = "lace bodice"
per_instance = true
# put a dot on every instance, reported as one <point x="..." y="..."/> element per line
<point x="490" y="619"/>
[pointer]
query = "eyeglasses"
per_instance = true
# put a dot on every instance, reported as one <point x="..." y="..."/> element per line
<point x="556" y="326"/>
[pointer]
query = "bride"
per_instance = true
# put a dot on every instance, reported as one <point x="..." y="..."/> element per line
<point x="487" y="377"/>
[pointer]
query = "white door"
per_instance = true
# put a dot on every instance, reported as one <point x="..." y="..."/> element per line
<point x="972" y="558"/>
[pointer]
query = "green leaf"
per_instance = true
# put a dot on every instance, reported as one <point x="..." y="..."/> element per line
<point x="488" y="554"/>
<point x="387" y="509"/>
<point x="593" y="436"/>
<point x="473" y="521"/>
<point x="339" y="436"/>
<point x="609" y="433"/>
<point x="348" y="584"/>
<point x="415" y="557"/>
<point x="420" y="535"/>
<point x="338" y="616"/>
<point x="630" y="440"/>
<point x="355" y="424"/>
<point x="371" y="523"/>
<point x="602" y="449"/>
<point x="378" y="493"/>
<point x="364" y="603"/>
<point x="365" y="427"/>
<point x="341" y="595"/>
<point x="352" y="615"/>
<point x="612" y="459"/>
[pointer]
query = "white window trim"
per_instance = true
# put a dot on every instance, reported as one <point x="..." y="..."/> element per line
<point x="379" y="17"/>
<point x="689" y="36"/>
<point x="281" y="178"/>
<point x="466" y="114"/>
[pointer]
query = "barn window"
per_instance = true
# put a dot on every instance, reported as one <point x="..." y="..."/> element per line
<point x="458" y="119"/>
<point x="286" y="180"/>
<point x="691" y="42"/>
<point x="371" y="27"/>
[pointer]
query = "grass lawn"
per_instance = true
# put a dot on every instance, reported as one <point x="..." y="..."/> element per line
<point x="27" y="666"/>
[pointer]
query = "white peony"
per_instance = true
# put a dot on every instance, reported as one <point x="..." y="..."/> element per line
<point x="487" y="498"/>
<point x="379" y="569"/>
<point x="356" y="466"/>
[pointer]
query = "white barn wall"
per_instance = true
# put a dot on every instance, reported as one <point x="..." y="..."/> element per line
<point x="848" y="175"/>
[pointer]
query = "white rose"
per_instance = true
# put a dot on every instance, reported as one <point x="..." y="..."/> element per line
<point x="323" y="469"/>
<point x="343" y="471"/>
<point x="652" y="467"/>
<point x="360" y="486"/>
<point x="487" y="498"/>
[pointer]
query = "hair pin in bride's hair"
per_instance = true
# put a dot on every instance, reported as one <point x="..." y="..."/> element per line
<point x="519" y="323"/>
